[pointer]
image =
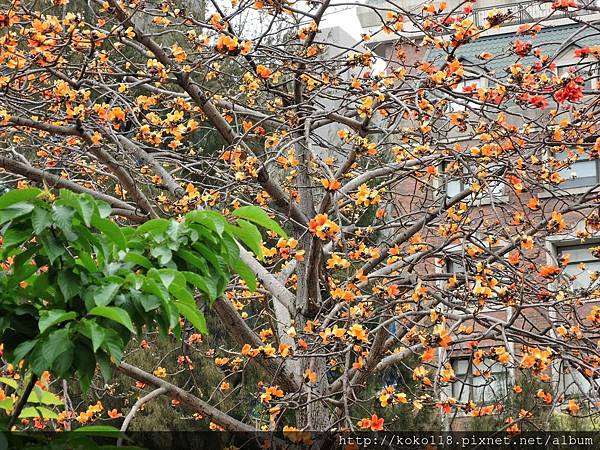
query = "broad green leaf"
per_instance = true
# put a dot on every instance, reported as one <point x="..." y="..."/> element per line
<point x="260" y="217"/>
<point x="165" y="276"/>
<point x="53" y="317"/>
<point x="61" y="367"/>
<point x="23" y="349"/>
<point x="105" y="365"/>
<point x="153" y="287"/>
<point x="58" y="342"/>
<point x="14" y="211"/>
<point x="194" y="315"/>
<point x="113" y="344"/>
<point x="14" y="236"/>
<point x="80" y="202"/>
<point x="192" y="259"/>
<point x="63" y="217"/>
<point x="9" y="382"/>
<point x="115" y="314"/>
<point x="44" y="397"/>
<point x="87" y="262"/>
<point x="103" y="295"/>
<point x="52" y="246"/>
<point x="210" y="219"/>
<point x="205" y="285"/>
<point x="38" y="411"/>
<point x="95" y="332"/>
<point x="247" y="275"/>
<point x="86" y="365"/>
<point x="163" y="254"/>
<point x="69" y="284"/>
<point x="149" y="302"/>
<point x="154" y="226"/>
<point x="182" y="294"/>
<point x="104" y="209"/>
<point x="85" y="207"/>
<point x="138" y="259"/>
<point x="248" y="234"/>
<point x="40" y="220"/>
<point x="17" y="196"/>
<point x="111" y="230"/>
<point x="6" y="404"/>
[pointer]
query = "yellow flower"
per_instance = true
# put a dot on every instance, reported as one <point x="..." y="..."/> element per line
<point x="160" y="372"/>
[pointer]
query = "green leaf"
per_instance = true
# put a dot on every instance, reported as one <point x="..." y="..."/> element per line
<point x="40" y="219"/>
<point x="247" y="275"/>
<point x="205" y="285"/>
<point x="182" y="293"/>
<point x="166" y="276"/>
<point x="104" y="209"/>
<point x="13" y="237"/>
<point x="248" y="234"/>
<point x="95" y="332"/>
<point x="63" y="218"/>
<point x="153" y="287"/>
<point x="38" y="411"/>
<point x="9" y="382"/>
<point x="260" y="217"/>
<point x="87" y="262"/>
<point x="44" y="397"/>
<point x="52" y="246"/>
<point x="61" y="367"/>
<point x="84" y="206"/>
<point x="154" y="226"/>
<point x="69" y="284"/>
<point x="58" y="342"/>
<point x="113" y="344"/>
<point x="6" y="404"/>
<point x="210" y="219"/>
<point x="14" y="211"/>
<point x="103" y="361"/>
<point x="17" y="196"/>
<point x="103" y="295"/>
<point x="138" y="259"/>
<point x="53" y="317"/>
<point x="86" y="365"/>
<point x="163" y="254"/>
<point x="41" y="284"/>
<point x="111" y="230"/>
<point x="192" y="259"/>
<point x="194" y="315"/>
<point x="115" y="314"/>
<point x="23" y="349"/>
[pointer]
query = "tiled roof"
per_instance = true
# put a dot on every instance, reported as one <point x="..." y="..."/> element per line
<point x="550" y="39"/>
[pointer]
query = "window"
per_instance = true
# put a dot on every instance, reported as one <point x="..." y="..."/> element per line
<point x="455" y="183"/>
<point x="583" y="172"/>
<point x="454" y="264"/>
<point x="484" y="384"/>
<point x="573" y="383"/>
<point x="579" y="254"/>
<point x="589" y="75"/>
<point x="467" y="87"/>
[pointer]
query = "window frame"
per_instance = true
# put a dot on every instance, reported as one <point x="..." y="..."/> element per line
<point x="554" y="244"/>
<point x="467" y="79"/>
<point x="484" y="197"/>
<point x="469" y="382"/>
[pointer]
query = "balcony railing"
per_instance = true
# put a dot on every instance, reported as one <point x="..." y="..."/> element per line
<point x="525" y="12"/>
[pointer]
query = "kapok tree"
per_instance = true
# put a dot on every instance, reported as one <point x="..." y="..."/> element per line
<point x="158" y="110"/>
